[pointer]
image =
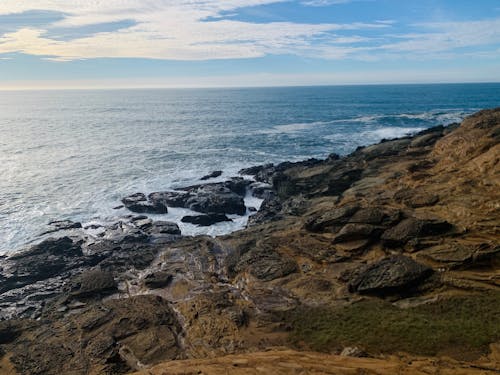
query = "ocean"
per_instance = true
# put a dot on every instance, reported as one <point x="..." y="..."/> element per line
<point x="74" y="154"/>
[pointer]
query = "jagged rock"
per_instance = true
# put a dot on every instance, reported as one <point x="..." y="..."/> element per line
<point x="60" y="225"/>
<point x="205" y="220"/>
<point x="164" y="227"/>
<point x="225" y="197"/>
<point x="139" y="203"/>
<point x="331" y="219"/>
<point x="95" y="282"/>
<point x="269" y="210"/>
<point x="213" y="174"/>
<point x="47" y="259"/>
<point x="376" y="216"/>
<point x="158" y="279"/>
<point x="393" y="274"/>
<point x="266" y="264"/>
<point x="413" y="228"/>
<point x="355" y="232"/>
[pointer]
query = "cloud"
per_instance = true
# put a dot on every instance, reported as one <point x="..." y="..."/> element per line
<point x="167" y="29"/>
<point x="199" y="30"/>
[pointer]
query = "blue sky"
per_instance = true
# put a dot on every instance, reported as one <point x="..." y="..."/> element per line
<point x="191" y="43"/>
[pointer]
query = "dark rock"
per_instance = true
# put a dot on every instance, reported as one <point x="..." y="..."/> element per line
<point x="139" y="203"/>
<point x="376" y="216"/>
<point x="386" y="148"/>
<point x="269" y="210"/>
<point x="164" y="227"/>
<point x="266" y="264"/>
<point x="95" y="283"/>
<point x="390" y="275"/>
<point x="224" y="197"/>
<point x="261" y="191"/>
<point x="158" y="280"/>
<point x="216" y="199"/>
<point x="254" y="171"/>
<point x="413" y="228"/>
<point x="59" y="225"/>
<point x="355" y="232"/>
<point x="331" y="219"/>
<point x="205" y="220"/>
<point x="213" y="174"/>
<point x="47" y="259"/>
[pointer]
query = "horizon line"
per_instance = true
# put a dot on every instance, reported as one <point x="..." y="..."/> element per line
<point x="194" y="87"/>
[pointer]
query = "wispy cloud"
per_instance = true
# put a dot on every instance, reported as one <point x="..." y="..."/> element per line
<point x="198" y="30"/>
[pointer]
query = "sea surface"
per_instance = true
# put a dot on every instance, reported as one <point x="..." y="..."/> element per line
<point x="75" y="154"/>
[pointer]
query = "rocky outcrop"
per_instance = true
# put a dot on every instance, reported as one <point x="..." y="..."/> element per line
<point x="406" y="223"/>
<point x="390" y="275"/>
<point x="213" y="174"/>
<point x="139" y="203"/>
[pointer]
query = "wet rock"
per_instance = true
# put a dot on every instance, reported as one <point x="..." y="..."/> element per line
<point x="413" y="228"/>
<point x="261" y="191"/>
<point x="213" y="174"/>
<point x="47" y="259"/>
<point x="139" y="203"/>
<point x="205" y="220"/>
<point x="393" y="274"/>
<point x="164" y="228"/>
<point x="269" y="210"/>
<point x="158" y="280"/>
<point x="60" y="225"/>
<point x="94" y="283"/>
<point x="225" y="198"/>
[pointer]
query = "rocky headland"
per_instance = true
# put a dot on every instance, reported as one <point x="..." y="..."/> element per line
<point x="380" y="262"/>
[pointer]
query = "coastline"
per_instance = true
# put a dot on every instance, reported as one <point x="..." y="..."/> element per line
<point x="407" y="221"/>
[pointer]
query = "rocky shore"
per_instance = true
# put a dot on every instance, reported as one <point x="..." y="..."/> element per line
<point x="390" y="254"/>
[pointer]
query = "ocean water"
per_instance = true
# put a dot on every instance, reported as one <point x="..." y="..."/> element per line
<point x="75" y="154"/>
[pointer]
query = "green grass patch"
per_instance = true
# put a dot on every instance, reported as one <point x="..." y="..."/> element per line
<point x="462" y="327"/>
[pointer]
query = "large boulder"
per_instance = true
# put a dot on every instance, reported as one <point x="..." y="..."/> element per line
<point x="47" y="259"/>
<point x="94" y="283"/>
<point x="413" y="228"/>
<point x="265" y="264"/>
<point x="394" y="274"/>
<point x="205" y="220"/>
<point x="139" y="203"/>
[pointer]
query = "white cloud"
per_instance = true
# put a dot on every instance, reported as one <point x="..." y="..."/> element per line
<point x="166" y="29"/>
<point x="196" y="30"/>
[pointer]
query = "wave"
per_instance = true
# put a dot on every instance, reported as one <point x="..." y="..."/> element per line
<point x="390" y="132"/>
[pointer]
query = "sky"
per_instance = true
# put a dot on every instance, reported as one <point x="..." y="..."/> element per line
<point x="218" y="43"/>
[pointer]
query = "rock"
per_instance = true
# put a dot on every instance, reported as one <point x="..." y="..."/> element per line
<point x="164" y="227"/>
<point x="269" y="210"/>
<point x="49" y="258"/>
<point x="169" y="198"/>
<point x="95" y="282"/>
<point x="386" y="148"/>
<point x="353" y="351"/>
<point x="261" y="191"/>
<point x="390" y="275"/>
<point x="139" y="203"/>
<point x="355" y="232"/>
<point x="376" y="216"/>
<point x="213" y="174"/>
<point x="205" y="220"/>
<point x="413" y="228"/>
<point x="421" y="200"/>
<point x="266" y="264"/>
<point x="59" y="225"/>
<point x="225" y="198"/>
<point x="330" y="219"/>
<point x="158" y="280"/>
